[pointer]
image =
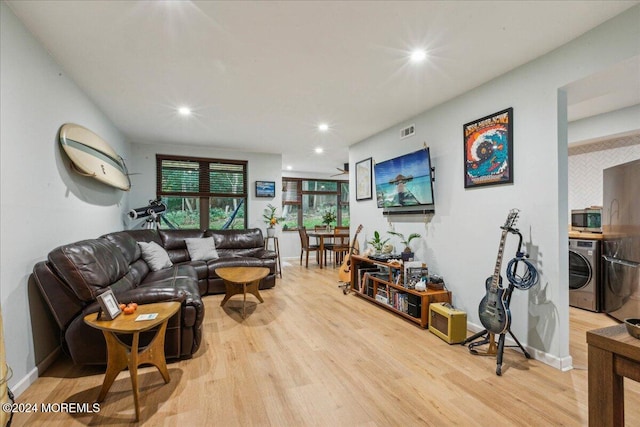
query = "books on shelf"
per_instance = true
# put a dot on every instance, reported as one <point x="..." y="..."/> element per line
<point x="398" y="300"/>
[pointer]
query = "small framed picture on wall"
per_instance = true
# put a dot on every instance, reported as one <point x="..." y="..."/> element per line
<point x="265" y="189"/>
<point x="364" y="179"/>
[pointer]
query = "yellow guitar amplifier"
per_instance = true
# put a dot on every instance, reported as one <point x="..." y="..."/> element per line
<point x="447" y="322"/>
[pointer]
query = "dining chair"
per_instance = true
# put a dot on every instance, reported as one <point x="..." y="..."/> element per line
<point x="340" y="245"/>
<point x="305" y="246"/>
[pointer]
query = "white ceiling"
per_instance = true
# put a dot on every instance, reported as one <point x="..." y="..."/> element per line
<point x="260" y="76"/>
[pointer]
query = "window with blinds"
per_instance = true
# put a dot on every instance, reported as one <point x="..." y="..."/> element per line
<point x="305" y="201"/>
<point x="202" y="193"/>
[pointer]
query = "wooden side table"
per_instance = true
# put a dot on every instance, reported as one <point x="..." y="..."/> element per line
<point x="276" y="248"/>
<point x="121" y="355"/>
<point x="240" y="280"/>
<point x="613" y="355"/>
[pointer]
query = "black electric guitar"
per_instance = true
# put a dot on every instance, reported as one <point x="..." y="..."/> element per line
<point x="494" y="313"/>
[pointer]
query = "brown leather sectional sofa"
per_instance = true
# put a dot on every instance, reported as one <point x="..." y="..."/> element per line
<point x="75" y="274"/>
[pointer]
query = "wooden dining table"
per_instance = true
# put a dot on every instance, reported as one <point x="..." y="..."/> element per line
<point x="321" y="235"/>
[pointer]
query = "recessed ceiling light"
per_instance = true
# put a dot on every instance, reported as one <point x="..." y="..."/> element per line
<point x="319" y="150"/>
<point x="418" y="55"/>
<point x="289" y="167"/>
<point x="185" y="111"/>
<point x="323" y="127"/>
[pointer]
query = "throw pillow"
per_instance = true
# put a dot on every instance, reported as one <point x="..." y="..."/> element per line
<point x="201" y="249"/>
<point x="155" y="256"/>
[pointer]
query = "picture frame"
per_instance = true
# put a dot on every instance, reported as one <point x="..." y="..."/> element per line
<point x="488" y="150"/>
<point x="413" y="272"/>
<point x="364" y="179"/>
<point x="109" y="307"/>
<point x="265" y="189"/>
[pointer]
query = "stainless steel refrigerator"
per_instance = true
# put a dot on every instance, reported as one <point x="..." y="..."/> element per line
<point x="621" y="240"/>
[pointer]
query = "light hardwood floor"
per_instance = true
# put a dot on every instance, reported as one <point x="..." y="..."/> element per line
<point x="312" y="356"/>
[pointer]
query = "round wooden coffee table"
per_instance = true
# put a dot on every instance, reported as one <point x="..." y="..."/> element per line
<point x="121" y="355"/>
<point x="248" y="277"/>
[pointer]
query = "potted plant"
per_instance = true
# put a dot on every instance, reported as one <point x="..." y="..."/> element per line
<point x="407" y="253"/>
<point x="377" y="242"/>
<point x="271" y="219"/>
<point x="328" y="217"/>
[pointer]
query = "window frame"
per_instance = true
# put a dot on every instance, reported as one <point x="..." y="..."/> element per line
<point x="204" y="193"/>
<point x="300" y="192"/>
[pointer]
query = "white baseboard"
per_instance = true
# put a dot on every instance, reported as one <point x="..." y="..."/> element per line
<point x="564" y="364"/>
<point x="33" y="375"/>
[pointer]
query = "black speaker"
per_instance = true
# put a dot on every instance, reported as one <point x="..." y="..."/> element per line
<point x="414" y="305"/>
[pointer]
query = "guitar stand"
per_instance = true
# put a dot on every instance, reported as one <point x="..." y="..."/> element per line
<point x="489" y="338"/>
<point x="346" y="287"/>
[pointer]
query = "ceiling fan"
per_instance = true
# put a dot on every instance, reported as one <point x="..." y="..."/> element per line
<point x="344" y="171"/>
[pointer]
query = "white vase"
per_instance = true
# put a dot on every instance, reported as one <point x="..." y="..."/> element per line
<point x="271" y="232"/>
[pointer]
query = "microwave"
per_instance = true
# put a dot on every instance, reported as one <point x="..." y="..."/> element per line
<point x="589" y="219"/>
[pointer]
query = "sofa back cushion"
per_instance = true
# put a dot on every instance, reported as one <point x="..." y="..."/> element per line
<point x="174" y="244"/>
<point x="127" y="241"/>
<point x="89" y="266"/>
<point x="127" y="244"/>
<point x="236" y="239"/>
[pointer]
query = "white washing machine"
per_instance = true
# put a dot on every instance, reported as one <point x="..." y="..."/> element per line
<point x="584" y="274"/>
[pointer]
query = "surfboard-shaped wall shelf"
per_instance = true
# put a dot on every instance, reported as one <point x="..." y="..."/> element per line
<point x="91" y="156"/>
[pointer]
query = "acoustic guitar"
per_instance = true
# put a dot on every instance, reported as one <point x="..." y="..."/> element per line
<point x="344" y="274"/>
<point x="493" y="311"/>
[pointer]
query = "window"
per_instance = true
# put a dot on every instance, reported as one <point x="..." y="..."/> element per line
<point x="202" y="193"/>
<point x="304" y="201"/>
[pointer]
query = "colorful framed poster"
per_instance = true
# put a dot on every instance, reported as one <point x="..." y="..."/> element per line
<point x="488" y="150"/>
<point x="364" y="179"/>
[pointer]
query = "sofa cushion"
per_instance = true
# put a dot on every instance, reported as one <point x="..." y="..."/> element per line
<point x="236" y="239"/>
<point x="203" y="249"/>
<point x="89" y="266"/>
<point x="199" y="266"/>
<point x="155" y="255"/>
<point x="174" y="239"/>
<point x="127" y="244"/>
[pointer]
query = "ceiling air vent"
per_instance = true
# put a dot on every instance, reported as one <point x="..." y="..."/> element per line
<point x="408" y="131"/>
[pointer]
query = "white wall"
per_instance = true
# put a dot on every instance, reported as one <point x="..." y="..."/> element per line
<point x="263" y="167"/>
<point x="586" y="163"/>
<point x="460" y="241"/>
<point x="43" y="203"/>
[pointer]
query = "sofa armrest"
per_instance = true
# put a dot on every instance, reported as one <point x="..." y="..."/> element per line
<point x="265" y="254"/>
<point x="148" y="295"/>
<point x="143" y="296"/>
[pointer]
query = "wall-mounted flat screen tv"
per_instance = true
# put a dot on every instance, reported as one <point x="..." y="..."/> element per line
<point x="404" y="184"/>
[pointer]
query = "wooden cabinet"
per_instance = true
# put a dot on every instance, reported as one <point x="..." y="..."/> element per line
<point x="382" y="284"/>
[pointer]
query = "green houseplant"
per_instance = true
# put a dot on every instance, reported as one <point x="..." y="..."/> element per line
<point x="328" y="217"/>
<point x="407" y="253"/>
<point x="377" y="242"/>
<point x="271" y="219"/>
